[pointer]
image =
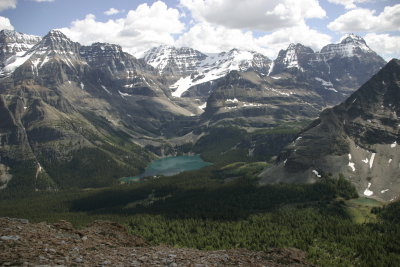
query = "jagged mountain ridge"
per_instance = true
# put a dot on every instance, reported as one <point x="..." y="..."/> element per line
<point x="338" y="67"/>
<point x="197" y="70"/>
<point x="191" y="67"/>
<point x="42" y="62"/>
<point x="299" y="85"/>
<point x="358" y="138"/>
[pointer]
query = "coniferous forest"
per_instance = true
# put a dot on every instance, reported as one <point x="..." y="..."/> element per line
<point x="204" y="210"/>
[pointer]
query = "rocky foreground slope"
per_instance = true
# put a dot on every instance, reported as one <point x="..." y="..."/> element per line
<point x="108" y="244"/>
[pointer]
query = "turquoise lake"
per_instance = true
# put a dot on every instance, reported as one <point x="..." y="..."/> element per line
<point x="170" y="166"/>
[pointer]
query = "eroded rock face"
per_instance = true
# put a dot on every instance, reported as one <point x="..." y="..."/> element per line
<point x="108" y="244"/>
<point x="358" y="138"/>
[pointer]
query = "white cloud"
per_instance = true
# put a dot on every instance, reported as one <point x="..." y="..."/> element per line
<point x="141" y="29"/>
<point x="348" y="4"/>
<point x="6" y="4"/>
<point x="384" y="44"/>
<point x="89" y="30"/>
<point x="211" y="38"/>
<point x="5" y="24"/>
<point x="301" y="33"/>
<point x="112" y="11"/>
<point x="265" y="15"/>
<point x="219" y="25"/>
<point x="41" y="1"/>
<point x="365" y="20"/>
<point x="158" y="18"/>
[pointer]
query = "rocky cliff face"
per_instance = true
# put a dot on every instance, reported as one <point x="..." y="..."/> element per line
<point x="260" y="101"/>
<point x="120" y="73"/>
<point x="358" y="138"/>
<point x="296" y="56"/>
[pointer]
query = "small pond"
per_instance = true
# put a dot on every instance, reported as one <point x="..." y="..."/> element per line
<point x="170" y="166"/>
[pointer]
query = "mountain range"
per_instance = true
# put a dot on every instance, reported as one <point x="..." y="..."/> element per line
<point x="84" y="116"/>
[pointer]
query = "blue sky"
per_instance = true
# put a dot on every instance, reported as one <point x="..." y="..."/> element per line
<point x="211" y="25"/>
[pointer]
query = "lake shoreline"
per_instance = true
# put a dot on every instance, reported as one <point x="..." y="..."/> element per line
<point x="168" y="166"/>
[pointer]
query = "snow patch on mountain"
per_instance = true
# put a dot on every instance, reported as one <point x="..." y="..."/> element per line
<point x="327" y="85"/>
<point x="203" y="106"/>
<point x="371" y="160"/>
<point x="271" y="68"/>
<point x="316" y="173"/>
<point x="351" y="164"/>
<point x="15" y="61"/>
<point x="105" y="89"/>
<point x="368" y="192"/>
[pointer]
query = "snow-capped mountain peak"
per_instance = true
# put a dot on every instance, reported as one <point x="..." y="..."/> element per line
<point x="55" y="45"/>
<point x="291" y="59"/>
<point x="14" y="43"/>
<point x="177" y="61"/>
<point x="352" y="38"/>
<point x="351" y="45"/>
<point x="217" y="66"/>
<point x="236" y="59"/>
<point x="295" y="56"/>
<point x="57" y="42"/>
